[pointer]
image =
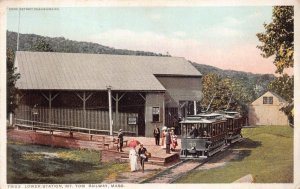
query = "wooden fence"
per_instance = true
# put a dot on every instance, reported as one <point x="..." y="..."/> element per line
<point x="89" y="119"/>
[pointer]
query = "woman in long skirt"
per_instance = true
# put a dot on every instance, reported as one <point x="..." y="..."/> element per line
<point x="163" y="139"/>
<point x="133" y="157"/>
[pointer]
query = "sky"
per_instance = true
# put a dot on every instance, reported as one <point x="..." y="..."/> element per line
<point x="220" y="36"/>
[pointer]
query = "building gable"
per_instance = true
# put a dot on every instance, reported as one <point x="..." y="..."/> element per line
<point x="276" y="100"/>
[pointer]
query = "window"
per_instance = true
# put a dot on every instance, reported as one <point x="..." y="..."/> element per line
<point x="268" y="100"/>
<point x="155" y="114"/>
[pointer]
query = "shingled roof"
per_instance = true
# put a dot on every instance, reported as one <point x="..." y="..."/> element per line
<point x="77" y="71"/>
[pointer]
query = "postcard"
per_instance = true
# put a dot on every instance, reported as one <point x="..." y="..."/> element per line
<point x="122" y="94"/>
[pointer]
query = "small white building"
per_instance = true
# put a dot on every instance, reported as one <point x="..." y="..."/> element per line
<point x="265" y="110"/>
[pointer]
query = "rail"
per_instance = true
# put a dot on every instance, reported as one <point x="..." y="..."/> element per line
<point x="169" y="176"/>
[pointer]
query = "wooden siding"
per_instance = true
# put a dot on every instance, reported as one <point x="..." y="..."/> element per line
<point x="153" y="100"/>
<point x="94" y="119"/>
<point x="181" y="89"/>
<point x="267" y="114"/>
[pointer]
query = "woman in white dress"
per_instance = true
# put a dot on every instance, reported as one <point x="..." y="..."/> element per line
<point x="133" y="157"/>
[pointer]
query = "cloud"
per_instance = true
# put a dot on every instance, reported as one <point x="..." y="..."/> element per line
<point x="155" y="16"/>
<point x="148" y="41"/>
<point x="243" y="56"/>
<point x="255" y="15"/>
<point x="231" y="21"/>
<point x="179" y="34"/>
<point x="223" y="35"/>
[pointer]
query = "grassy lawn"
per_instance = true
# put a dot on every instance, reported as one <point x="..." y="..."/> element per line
<point x="268" y="157"/>
<point x="42" y="164"/>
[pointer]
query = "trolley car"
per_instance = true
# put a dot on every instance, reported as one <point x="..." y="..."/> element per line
<point x="202" y="135"/>
<point x="234" y="126"/>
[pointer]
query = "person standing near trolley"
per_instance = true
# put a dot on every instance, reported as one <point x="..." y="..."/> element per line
<point x="163" y="137"/>
<point x="168" y="141"/>
<point x="156" y="134"/>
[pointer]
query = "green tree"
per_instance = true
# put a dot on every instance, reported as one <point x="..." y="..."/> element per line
<point x="225" y="94"/>
<point x="278" y="38"/>
<point x="41" y="46"/>
<point x="278" y="41"/>
<point x="284" y="87"/>
<point x="210" y="84"/>
<point x="12" y="77"/>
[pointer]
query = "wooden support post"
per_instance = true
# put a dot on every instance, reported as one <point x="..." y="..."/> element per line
<point x="180" y="109"/>
<point x="50" y="98"/>
<point x="110" y="111"/>
<point x="195" y="108"/>
<point x="142" y="96"/>
<point x="84" y="98"/>
<point x="117" y="99"/>
<point x="19" y="97"/>
<point x="186" y="109"/>
<point x="117" y="110"/>
<point x="164" y="112"/>
<point x="50" y="107"/>
<point x="137" y="128"/>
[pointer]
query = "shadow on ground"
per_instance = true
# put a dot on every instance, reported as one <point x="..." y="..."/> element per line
<point x="243" y="149"/>
<point x="247" y="143"/>
<point x="237" y="152"/>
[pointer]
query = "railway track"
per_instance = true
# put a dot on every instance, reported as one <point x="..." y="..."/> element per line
<point x="182" y="168"/>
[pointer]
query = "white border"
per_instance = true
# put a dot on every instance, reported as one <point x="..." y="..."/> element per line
<point x="90" y="3"/>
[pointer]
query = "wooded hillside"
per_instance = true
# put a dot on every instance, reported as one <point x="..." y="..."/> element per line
<point x="256" y="82"/>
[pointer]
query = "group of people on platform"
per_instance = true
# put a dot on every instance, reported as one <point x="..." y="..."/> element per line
<point x="138" y="156"/>
<point x="134" y="156"/>
<point x="168" y="138"/>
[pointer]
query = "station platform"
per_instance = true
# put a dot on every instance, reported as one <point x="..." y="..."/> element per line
<point x="158" y="154"/>
<point x="104" y="143"/>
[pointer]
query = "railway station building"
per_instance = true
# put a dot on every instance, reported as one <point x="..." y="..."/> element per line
<point x="104" y="93"/>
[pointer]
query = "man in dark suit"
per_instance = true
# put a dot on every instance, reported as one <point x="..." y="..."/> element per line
<point x="142" y="154"/>
<point x="121" y="140"/>
<point x="156" y="134"/>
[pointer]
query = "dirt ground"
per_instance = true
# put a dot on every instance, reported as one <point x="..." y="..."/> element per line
<point x="137" y="176"/>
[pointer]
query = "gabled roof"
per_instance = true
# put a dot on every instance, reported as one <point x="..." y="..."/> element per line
<point x="78" y="71"/>
<point x="280" y="99"/>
